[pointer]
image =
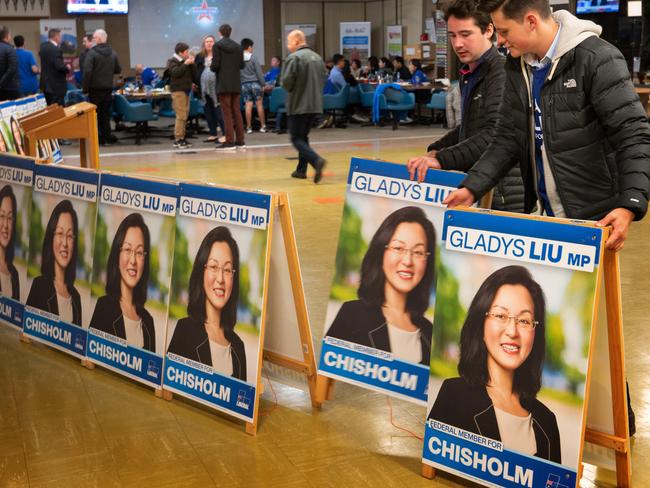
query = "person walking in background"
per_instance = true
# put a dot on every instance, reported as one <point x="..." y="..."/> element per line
<point x="53" y="69"/>
<point x="252" y="81"/>
<point x="182" y="73"/>
<point x="303" y="76"/>
<point x="9" y="78"/>
<point x="87" y="42"/>
<point x="208" y="86"/>
<point x="227" y="61"/>
<point x="99" y="67"/>
<point x="28" y="70"/>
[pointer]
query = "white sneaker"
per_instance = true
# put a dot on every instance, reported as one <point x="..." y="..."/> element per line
<point x="407" y="120"/>
<point x="263" y="129"/>
<point x="249" y="130"/>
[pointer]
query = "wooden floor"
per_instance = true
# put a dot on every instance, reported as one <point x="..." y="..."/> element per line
<point x="63" y="425"/>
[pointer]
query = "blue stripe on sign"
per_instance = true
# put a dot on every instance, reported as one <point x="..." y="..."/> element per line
<point x="141" y="185"/>
<point x="392" y="376"/>
<point x="62" y="335"/>
<point x="11" y="311"/>
<point x="519" y="226"/>
<point x="134" y="361"/>
<point x="396" y="170"/>
<point x="7" y="159"/>
<point x="224" y="392"/>
<point x="227" y="195"/>
<point x="82" y="176"/>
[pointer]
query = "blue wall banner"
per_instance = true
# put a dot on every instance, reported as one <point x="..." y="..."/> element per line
<point x="512" y="332"/>
<point x="61" y="240"/>
<point x="218" y="288"/>
<point x="378" y="322"/>
<point x="132" y="265"/>
<point x="16" y="180"/>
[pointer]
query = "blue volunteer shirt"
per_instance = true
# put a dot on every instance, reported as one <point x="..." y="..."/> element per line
<point x="271" y="75"/>
<point x="150" y="77"/>
<point x="418" y="78"/>
<point x="337" y="79"/>
<point x="28" y="80"/>
<point x="540" y="72"/>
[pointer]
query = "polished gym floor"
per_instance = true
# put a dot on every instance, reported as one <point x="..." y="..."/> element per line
<point x="64" y="425"/>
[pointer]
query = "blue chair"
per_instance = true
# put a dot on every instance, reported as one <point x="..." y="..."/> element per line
<point x="196" y="111"/>
<point x="438" y="102"/>
<point x="354" y="97"/>
<point x="140" y="113"/>
<point x="367" y="94"/>
<point x="165" y="109"/>
<point x="277" y="102"/>
<point x="396" y="102"/>
<point x="336" y="102"/>
<point x="74" y="96"/>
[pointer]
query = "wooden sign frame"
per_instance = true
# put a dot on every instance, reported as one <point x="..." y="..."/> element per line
<point x="619" y="441"/>
<point x="306" y="366"/>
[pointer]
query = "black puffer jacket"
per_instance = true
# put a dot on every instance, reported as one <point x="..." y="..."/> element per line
<point x="462" y="146"/>
<point x="100" y="65"/>
<point x="596" y="133"/>
<point x="181" y="75"/>
<point x="227" y="61"/>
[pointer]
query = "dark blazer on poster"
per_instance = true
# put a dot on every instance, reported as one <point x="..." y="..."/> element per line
<point x="42" y="295"/>
<point x="108" y="318"/>
<point x="190" y="340"/>
<point x="470" y="408"/>
<point x="363" y="323"/>
<point x="53" y="69"/>
<point x="15" y="284"/>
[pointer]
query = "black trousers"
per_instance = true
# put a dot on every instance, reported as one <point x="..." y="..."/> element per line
<point x="299" y="127"/>
<point x="9" y="94"/>
<point x="51" y="98"/>
<point x="103" y="99"/>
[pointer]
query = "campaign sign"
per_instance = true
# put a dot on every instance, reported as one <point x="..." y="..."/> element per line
<point x="131" y="274"/>
<point x="214" y="328"/>
<point x="16" y="179"/>
<point x="61" y="239"/>
<point x="510" y="348"/>
<point x="378" y="322"/>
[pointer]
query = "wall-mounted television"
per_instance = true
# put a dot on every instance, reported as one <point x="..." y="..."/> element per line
<point x="597" y="6"/>
<point x="98" y="6"/>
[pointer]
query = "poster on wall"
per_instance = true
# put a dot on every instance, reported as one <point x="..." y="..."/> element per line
<point x="170" y="21"/>
<point x="131" y="274"/>
<point x="511" y="340"/>
<point x="68" y="28"/>
<point x="16" y="179"/>
<point x="379" y="316"/>
<point x="61" y="240"/>
<point x="394" y="40"/>
<point x="215" y="325"/>
<point x="308" y="29"/>
<point x="355" y="40"/>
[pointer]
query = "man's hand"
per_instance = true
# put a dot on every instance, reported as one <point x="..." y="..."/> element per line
<point x="189" y="60"/>
<point x="418" y="166"/>
<point x="619" y="219"/>
<point x="462" y="196"/>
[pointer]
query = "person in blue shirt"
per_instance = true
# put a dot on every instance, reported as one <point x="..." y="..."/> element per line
<point x="336" y="81"/>
<point x="271" y="76"/>
<point x="28" y="70"/>
<point x="148" y="76"/>
<point x="417" y="75"/>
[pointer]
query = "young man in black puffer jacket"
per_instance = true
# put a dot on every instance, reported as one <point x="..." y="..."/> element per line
<point x="470" y="31"/>
<point x="572" y="119"/>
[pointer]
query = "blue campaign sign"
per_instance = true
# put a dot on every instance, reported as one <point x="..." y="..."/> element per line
<point x="402" y="379"/>
<point x="11" y="311"/>
<point x="224" y="393"/>
<point x="392" y="170"/>
<point x="131" y="361"/>
<point x="61" y="335"/>
<point x="249" y="209"/>
<point x="474" y="457"/>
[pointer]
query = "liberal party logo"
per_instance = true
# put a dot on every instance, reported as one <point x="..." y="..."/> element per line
<point x="205" y="12"/>
<point x="79" y="342"/>
<point x="152" y="369"/>
<point x="553" y="481"/>
<point x="242" y="400"/>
